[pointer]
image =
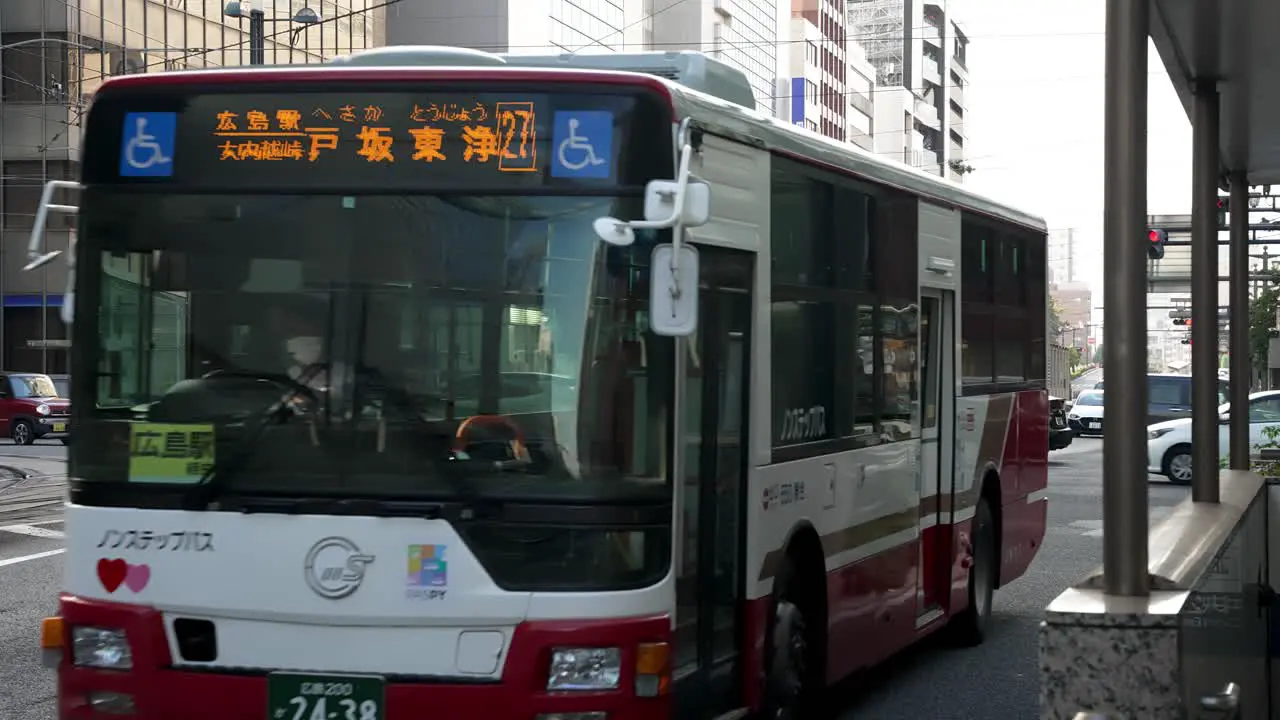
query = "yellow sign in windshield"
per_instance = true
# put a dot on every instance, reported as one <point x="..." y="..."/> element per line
<point x="167" y="453"/>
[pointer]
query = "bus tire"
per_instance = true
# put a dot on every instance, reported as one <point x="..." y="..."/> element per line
<point x="787" y="683"/>
<point x="969" y="628"/>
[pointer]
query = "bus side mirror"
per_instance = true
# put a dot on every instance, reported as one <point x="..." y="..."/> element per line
<point x="660" y="197"/>
<point x="673" y="290"/>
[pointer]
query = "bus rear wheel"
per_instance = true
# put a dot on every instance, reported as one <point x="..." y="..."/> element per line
<point x="787" y="670"/>
<point x="969" y="628"/>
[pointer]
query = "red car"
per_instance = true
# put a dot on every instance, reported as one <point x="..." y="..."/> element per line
<point x="30" y="408"/>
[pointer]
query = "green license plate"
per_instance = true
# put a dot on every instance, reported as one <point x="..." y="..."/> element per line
<point x="294" y="696"/>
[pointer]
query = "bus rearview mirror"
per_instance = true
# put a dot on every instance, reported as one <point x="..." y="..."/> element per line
<point x="660" y="197"/>
<point x="673" y="290"/>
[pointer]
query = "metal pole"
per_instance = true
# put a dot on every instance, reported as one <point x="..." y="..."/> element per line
<point x="257" y="37"/>
<point x="1204" y="293"/>
<point x="44" y="177"/>
<point x="1124" y="448"/>
<point x="1238" y="320"/>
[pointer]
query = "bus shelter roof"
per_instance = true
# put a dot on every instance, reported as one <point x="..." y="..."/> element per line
<point x="1232" y="42"/>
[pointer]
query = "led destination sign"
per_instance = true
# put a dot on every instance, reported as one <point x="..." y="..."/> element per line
<point x="502" y="135"/>
<point x="400" y="140"/>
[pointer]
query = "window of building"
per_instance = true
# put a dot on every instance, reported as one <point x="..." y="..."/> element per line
<point x="20" y="189"/>
<point x="33" y="71"/>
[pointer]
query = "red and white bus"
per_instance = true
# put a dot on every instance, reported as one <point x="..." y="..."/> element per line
<point x="528" y="388"/>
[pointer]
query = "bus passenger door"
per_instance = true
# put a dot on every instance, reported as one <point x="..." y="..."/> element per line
<point x="712" y="482"/>
<point x="937" y="380"/>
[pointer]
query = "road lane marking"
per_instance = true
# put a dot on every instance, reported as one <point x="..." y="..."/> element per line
<point x="32" y="531"/>
<point x="28" y="558"/>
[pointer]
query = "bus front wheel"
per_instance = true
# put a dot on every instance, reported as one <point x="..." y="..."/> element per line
<point x="787" y="653"/>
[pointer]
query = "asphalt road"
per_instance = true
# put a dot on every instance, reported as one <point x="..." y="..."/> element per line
<point x="1086" y="381"/>
<point x="997" y="681"/>
<point x="30" y="574"/>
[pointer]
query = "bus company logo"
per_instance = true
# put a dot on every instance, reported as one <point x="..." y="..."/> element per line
<point x="335" y="567"/>
<point x="428" y="575"/>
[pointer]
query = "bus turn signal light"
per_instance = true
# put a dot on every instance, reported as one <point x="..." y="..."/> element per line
<point x="51" y="633"/>
<point x="653" y="669"/>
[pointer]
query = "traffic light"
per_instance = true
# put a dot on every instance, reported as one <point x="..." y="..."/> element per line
<point x="1224" y="206"/>
<point x="1156" y="240"/>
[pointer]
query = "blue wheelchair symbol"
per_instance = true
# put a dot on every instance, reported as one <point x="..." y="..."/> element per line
<point x="146" y="144"/>
<point x="583" y="142"/>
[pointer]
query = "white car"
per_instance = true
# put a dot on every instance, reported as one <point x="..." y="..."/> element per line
<point x="1169" y="442"/>
<point x="1085" y="416"/>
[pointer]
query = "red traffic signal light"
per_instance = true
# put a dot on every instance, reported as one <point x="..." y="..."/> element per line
<point x="1157" y="239"/>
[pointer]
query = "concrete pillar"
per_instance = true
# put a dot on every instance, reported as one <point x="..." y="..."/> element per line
<point x="1238" y="320"/>
<point x="1124" y="449"/>
<point x="1204" y="293"/>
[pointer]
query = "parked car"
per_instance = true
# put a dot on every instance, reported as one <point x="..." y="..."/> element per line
<point x="1169" y="442"/>
<point x="1060" y="434"/>
<point x="1169" y="396"/>
<point x="62" y="383"/>
<point x="1085" y="416"/>
<point x="31" y="408"/>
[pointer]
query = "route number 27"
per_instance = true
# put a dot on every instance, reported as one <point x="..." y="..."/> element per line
<point x="517" y="137"/>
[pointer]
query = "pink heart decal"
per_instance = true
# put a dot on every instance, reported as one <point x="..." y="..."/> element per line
<point x="137" y="577"/>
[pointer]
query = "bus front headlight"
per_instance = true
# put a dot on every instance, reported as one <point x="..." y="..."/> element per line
<point x="584" y="669"/>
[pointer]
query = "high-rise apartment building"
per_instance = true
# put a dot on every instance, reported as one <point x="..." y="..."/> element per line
<point x="533" y="27"/>
<point x="54" y="54"/>
<point x="918" y="51"/>
<point x="817" y="75"/>
<point x="742" y="33"/>
<point x="1062" y="255"/>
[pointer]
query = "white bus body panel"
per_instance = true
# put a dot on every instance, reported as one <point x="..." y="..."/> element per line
<point x="252" y="580"/>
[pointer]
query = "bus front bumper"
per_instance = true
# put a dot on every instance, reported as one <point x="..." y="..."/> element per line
<point x="153" y="689"/>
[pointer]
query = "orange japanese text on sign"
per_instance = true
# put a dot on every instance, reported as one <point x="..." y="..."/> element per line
<point x="482" y="143"/>
<point x="375" y="144"/>
<point x="289" y="120"/>
<point x="427" y="143"/>
<point x="321" y="139"/>
<point x="262" y="150"/>
<point x="254" y="136"/>
<point x="448" y="112"/>
<point x="257" y="121"/>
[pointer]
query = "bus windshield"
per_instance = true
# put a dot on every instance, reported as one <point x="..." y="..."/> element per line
<point x="440" y="347"/>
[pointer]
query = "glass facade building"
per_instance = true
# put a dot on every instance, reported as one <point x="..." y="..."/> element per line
<point x="54" y="54"/>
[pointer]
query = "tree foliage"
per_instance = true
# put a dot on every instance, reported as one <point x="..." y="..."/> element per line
<point x="1055" y="320"/>
<point x="1262" y="318"/>
<point x="1097" y="355"/>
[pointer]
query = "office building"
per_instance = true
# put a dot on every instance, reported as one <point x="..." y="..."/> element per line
<point x="1062" y="255"/>
<point x="742" y="33"/>
<point x="919" y="52"/>
<point x="826" y="83"/>
<point x="53" y="57"/>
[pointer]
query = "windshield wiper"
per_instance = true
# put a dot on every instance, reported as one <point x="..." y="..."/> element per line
<point x="429" y="510"/>
<point x="205" y="490"/>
